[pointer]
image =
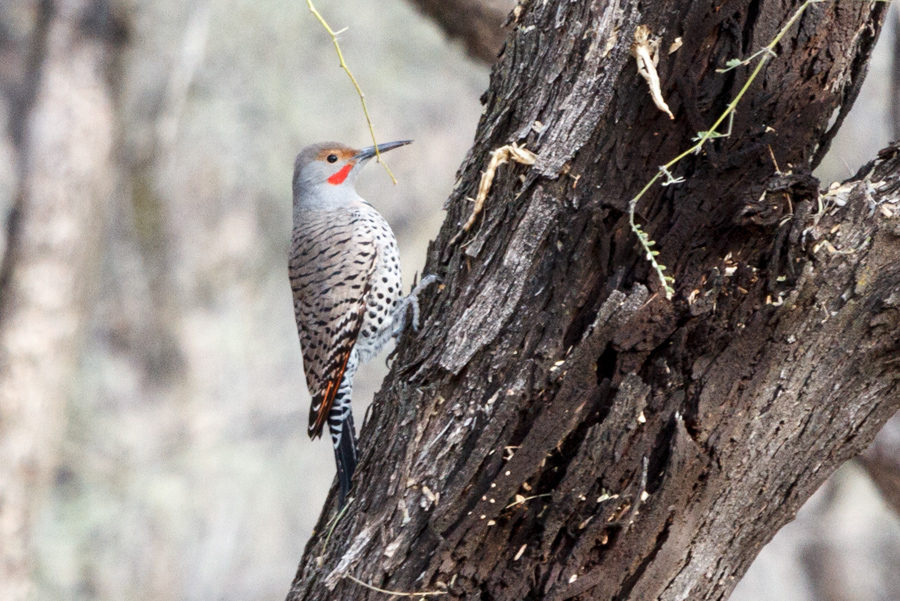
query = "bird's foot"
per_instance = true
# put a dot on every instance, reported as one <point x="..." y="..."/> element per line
<point x="411" y="301"/>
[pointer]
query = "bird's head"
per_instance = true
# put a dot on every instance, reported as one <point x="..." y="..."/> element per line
<point x="326" y="166"/>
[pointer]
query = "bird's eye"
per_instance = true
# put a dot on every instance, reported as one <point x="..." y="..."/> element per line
<point x="331" y="158"/>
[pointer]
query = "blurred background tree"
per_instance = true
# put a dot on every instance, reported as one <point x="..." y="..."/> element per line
<point x="152" y="403"/>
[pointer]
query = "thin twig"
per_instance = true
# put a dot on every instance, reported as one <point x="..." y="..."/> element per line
<point x="397" y="593"/>
<point x="332" y="525"/>
<point x="763" y="55"/>
<point x="645" y="464"/>
<point x="362" y="97"/>
<point x="523" y="500"/>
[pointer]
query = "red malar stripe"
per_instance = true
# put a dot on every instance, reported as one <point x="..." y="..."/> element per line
<point x="340" y="176"/>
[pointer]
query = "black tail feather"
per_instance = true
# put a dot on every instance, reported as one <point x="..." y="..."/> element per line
<point x="345" y="457"/>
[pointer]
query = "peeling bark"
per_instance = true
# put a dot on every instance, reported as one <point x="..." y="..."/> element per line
<point x="67" y="174"/>
<point x="558" y="429"/>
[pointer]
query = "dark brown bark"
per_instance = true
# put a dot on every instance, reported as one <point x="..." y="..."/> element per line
<point x="556" y="430"/>
<point x="478" y="24"/>
<point x="62" y="120"/>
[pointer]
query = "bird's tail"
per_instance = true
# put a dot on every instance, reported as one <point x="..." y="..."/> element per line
<point x="343" y="436"/>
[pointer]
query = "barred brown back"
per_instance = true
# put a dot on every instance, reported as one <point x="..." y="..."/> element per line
<point x="331" y="266"/>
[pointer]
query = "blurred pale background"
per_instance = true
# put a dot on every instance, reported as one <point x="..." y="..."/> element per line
<point x="186" y="472"/>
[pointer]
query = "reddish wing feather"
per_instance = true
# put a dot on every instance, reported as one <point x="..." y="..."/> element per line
<point x="342" y="356"/>
<point x="317" y="419"/>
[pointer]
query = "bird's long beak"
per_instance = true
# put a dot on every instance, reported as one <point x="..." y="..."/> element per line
<point x="368" y="152"/>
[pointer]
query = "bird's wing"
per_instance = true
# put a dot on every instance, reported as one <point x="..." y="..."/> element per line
<point x="331" y="266"/>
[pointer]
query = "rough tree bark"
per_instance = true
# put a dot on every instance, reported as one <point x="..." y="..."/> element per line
<point x="556" y="430"/>
<point x="478" y="24"/>
<point x="63" y="123"/>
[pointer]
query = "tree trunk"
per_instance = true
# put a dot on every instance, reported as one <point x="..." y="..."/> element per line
<point x="62" y="120"/>
<point x="559" y="429"/>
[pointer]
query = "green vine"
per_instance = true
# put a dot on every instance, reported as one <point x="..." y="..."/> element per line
<point x="763" y="55"/>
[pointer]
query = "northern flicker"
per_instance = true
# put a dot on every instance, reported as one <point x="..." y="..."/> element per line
<point x="345" y="275"/>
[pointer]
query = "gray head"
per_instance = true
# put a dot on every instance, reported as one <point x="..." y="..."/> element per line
<point x="322" y="169"/>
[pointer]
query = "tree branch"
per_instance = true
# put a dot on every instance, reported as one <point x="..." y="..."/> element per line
<point x="478" y="24"/>
<point x="882" y="461"/>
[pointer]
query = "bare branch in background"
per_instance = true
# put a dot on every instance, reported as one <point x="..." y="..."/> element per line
<point x="52" y="261"/>
<point x="184" y="70"/>
<point x="895" y="78"/>
<point x="882" y="461"/>
<point x="478" y="24"/>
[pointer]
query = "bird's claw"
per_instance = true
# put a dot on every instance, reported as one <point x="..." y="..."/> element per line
<point x="411" y="301"/>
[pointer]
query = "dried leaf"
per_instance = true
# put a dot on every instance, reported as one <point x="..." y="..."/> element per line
<point x="646" y="51"/>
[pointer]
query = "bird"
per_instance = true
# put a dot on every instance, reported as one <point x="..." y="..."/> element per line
<point x="344" y="271"/>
